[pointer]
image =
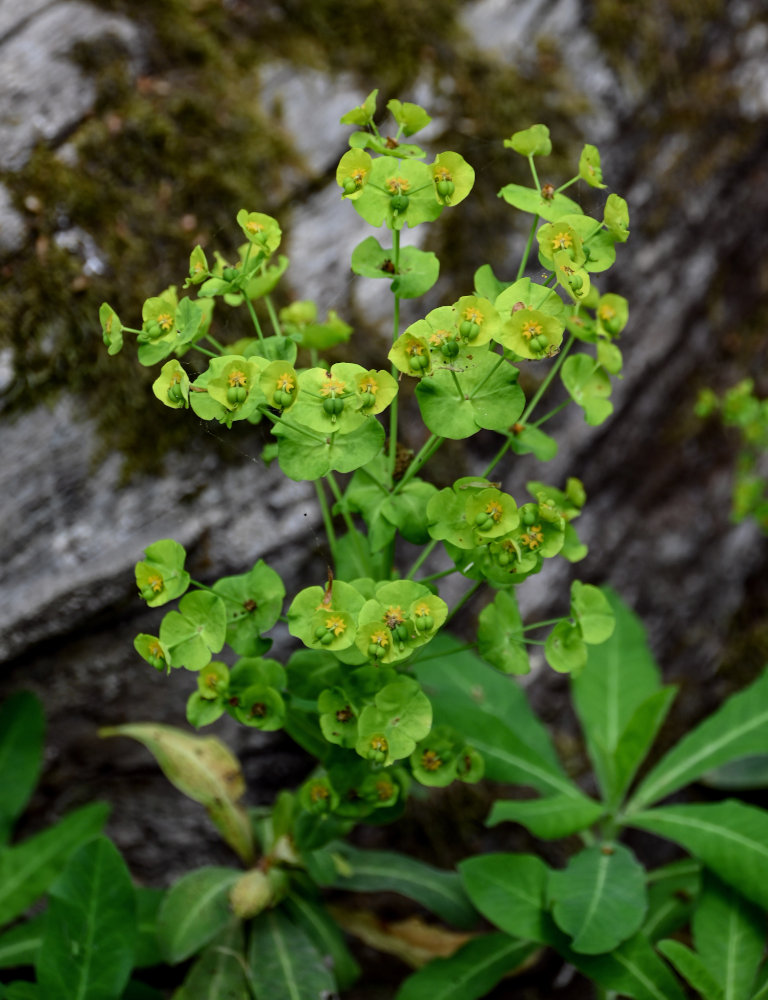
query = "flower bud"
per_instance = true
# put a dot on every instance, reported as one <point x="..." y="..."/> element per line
<point x="399" y="203"/>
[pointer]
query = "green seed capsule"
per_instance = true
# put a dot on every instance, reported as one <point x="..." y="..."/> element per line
<point x="327" y="638"/>
<point x="503" y="558"/>
<point x="468" y="330"/>
<point x="153" y="329"/>
<point x="419" y="362"/>
<point x="449" y="348"/>
<point x="232" y="394"/>
<point x="242" y="393"/>
<point x="349" y="185"/>
<point x="576" y="282"/>
<point x="529" y="517"/>
<point x="480" y="518"/>
<point x="367" y="399"/>
<point x="541" y="342"/>
<point x="445" y="188"/>
<point x="611" y="325"/>
<point x="230" y="273"/>
<point x="402" y="632"/>
<point x="375" y="651"/>
<point x="399" y="203"/>
<point x="333" y="405"/>
<point x="424" y="623"/>
<point x="320" y="631"/>
<point x="174" y="393"/>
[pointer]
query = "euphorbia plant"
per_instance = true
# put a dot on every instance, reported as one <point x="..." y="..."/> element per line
<point x="351" y="693"/>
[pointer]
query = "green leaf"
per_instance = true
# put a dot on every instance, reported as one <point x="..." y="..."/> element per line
<point x="488" y="396"/>
<point x="195" y="631"/>
<point x="147" y="948"/>
<point x="592" y="613"/>
<point x="564" y="648"/>
<point x="510" y="891"/>
<point x="313" y="917"/>
<point x="737" y="728"/>
<point x="218" y="974"/>
<point x="740" y="774"/>
<point x="19" y="946"/>
<point x="531" y="440"/>
<point x="416" y="272"/>
<point x="729" y="934"/>
<point x="27" y="869"/>
<point x="500" y="635"/>
<point x="362" y="115"/>
<point x="194" y="910"/>
<point x="548" y="818"/>
<point x="205" y="770"/>
<point x="260" y="594"/>
<point x="620" y="676"/>
<point x="470" y="973"/>
<point x="599" y="899"/>
<point x="20" y="991"/>
<point x="487" y="285"/>
<point x="531" y="141"/>
<point x="410" y="117"/>
<point x="589" y="386"/>
<point x="89" y="933"/>
<point x="692" y="968"/>
<point x="672" y="891"/>
<point x="303" y="457"/>
<point x="22" y="731"/>
<point x="385" y="871"/>
<point x="283" y="964"/>
<point x="529" y="200"/>
<point x="729" y="837"/>
<point x="633" y="970"/>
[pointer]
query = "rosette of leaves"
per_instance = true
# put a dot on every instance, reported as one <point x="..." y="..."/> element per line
<point x="261" y="231"/>
<point x="326" y="618"/>
<point x="612" y="314"/>
<point x="161" y="576"/>
<point x="567" y="504"/>
<point x="390" y="728"/>
<point x="531" y="141"/>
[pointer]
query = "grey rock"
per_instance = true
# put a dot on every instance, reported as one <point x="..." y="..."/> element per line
<point x="13" y="229"/>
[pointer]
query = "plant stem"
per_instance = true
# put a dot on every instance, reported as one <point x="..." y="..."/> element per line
<point x="438" y="576"/>
<point x="327" y="519"/>
<point x="420" y="561"/>
<point x="272" y="314"/>
<point x="392" y="458"/>
<point x="204" y="350"/>
<point x="546" y="382"/>
<point x="212" y="340"/>
<point x="463" y="599"/>
<point x="425" y="453"/>
<point x="294" y="427"/>
<point x="532" y="165"/>
<point x="457" y="384"/>
<point x="528" y="245"/>
<point x="549" y="621"/>
<point x="497" y="458"/>
<point x="567" y="184"/>
<point x="547" y="416"/>
<point x="365" y="561"/>
<point x="255" y="319"/>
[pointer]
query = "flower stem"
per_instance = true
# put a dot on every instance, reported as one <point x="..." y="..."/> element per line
<point x="421" y="559"/>
<point x="528" y="245"/>
<point x="392" y="458"/>
<point x="546" y="382"/>
<point x="212" y="340"/>
<point x="457" y="384"/>
<point x="255" y="319"/>
<point x="364" y="558"/>
<point x="438" y="576"/>
<point x="272" y="314"/>
<point x="327" y="519"/>
<point x="532" y="165"/>
<point x="463" y="599"/>
<point x="425" y="453"/>
<point x="204" y="350"/>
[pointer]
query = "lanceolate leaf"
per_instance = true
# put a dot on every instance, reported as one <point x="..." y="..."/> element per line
<point x="26" y="870"/>
<point x="631" y="970"/>
<point x="548" y="818"/>
<point x="90" y="928"/>
<point x="22" y="728"/>
<point x="636" y="740"/>
<point x="204" y="770"/>
<point x="218" y="974"/>
<point x="672" y="892"/>
<point x="599" y="899"/>
<point x="470" y="973"/>
<point x="729" y="837"/>
<point x="283" y="964"/>
<point x="620" y="676"/>
<point x="385" y="871"/>
<point x="323" y="931"/>
<point x="737" y="729"/>
<point x="194" y="910"/>
<point x="729" y="934"/>
<point x="19" y="945"/>
<point x="692" y="968"/>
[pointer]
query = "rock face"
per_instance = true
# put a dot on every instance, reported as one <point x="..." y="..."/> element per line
<point x="659" y="486"/>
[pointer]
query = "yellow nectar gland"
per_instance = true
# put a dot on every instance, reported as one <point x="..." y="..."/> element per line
<point x="606" y="312"/>
<point x="236" y="379"/>
<point x="285" y="382"/>
<point x="156" y="650"/>
<point x="394" y="617"/>
<point x="165" y="322"/>
<point x="155" y="582"/>
<point x="332" y="386"/>
<point x="442" y="174"/>
<point x="369" y="384"/>
<point x="379" y="743"/>
<point x="473" y="315"/>
<point x="175" y="379"/>
<point x="398" y="185"/>
<point x="385" y="790"/>
<point x="533" y="537"/>
<point x="318" y="793"/>
<point x="561" y="241"/>
<point x="531" y="329"/>
<point x="494" y="510"/>
<point x="358" y="176"/>
<point x="422" y="610"/>
<point x="380" y="638"/>
<point x="414" y="347"/>
<point x="430" y="761"/>
<point x="254" y="227"/>
<point x="336" y="625"/>
<point x="439" y="337"/>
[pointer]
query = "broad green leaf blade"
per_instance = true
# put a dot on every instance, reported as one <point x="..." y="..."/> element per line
<point x="19" y="946"/>
<point x="548" y="818"/>
<point x="672" y="892"/>
<point x="218" y="974"/>
<point x="283" y="964"/>
<point x="692" y="968"/>
<point x="729" y="934"/>
<point x="637" y="738"/>
<point x="452" y="673"/>
<point x="26" y="870"/>
<point x="729" y="837"/>
<point x="194" y="911"/>
<point x="90" y="928"/>
<point x="600" y="898"/>
<point x="510" y="890"/>
<point x="620" y="675"/>
<point x="203" y="769"/>
<point x="740" y="774"/>
<point x="631" y="970"/>
<point x="470" y="973"/>
<point x="738" y="728"/>
<point x="20" y="991"/>
<point x="385" y="871"/>
<point x="761" y="986"/>
<point x="147" y="946"/>
<point x="22" y="731"/>
<point x="325" y="934"/>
